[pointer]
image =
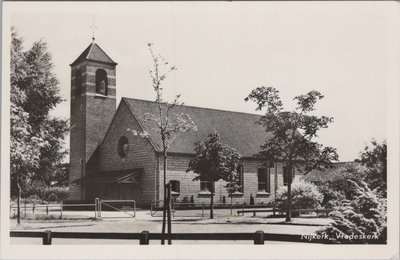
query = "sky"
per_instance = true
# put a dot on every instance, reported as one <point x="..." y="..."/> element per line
<point x="223" y="50"/>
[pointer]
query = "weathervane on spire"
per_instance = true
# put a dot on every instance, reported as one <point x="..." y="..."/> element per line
<point x="93" y="27"/>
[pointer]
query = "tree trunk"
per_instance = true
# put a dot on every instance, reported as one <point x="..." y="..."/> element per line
<point x="231" y="203"/>
<point x="18" y="200"/>
<point x="19" y="204"/>
<point x="289" y="194"/>
<point x="165" y="196"/>
<point x="212" y="200"/>
<point x="211" y="205"/>
<point x="169" y="213"/>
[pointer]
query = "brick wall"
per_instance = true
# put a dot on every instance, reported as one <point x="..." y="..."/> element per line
<point x="141" y="154"/>
<point x="77" y="138"/>
<point x="178" y="164"/>
<point x="90" y="117"/>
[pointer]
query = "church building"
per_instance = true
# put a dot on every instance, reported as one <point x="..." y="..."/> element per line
<point x="108" y="162"/>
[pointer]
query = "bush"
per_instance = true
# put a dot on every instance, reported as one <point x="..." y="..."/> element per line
<point x="33" y="199"/>
<point x="60" y="192"/>
<point x="305" y="195"/>
<point x="364" y="215"/>
<point x="52" y="197"/>
<point x="332" y="197"/>
<point x="41" y="192"/>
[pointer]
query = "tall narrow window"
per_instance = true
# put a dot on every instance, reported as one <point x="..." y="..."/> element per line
<point x="101" y="82"/>
<point x="264" y="180"/>
<point x="286" y="175"/>
<point x="78" y="83"/>
<point x="123" y="146"/>
<point x="206" y="185"/>
<point x="175" y="186"/>
<point x="240" y="179"/>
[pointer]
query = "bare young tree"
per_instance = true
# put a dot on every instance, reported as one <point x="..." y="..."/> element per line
<point x="168" y="124"/>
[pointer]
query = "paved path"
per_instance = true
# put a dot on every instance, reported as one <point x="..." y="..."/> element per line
<point x="144" y="221"/>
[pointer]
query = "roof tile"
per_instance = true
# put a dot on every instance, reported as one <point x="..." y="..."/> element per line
<point x="94" y="53"/>
<point x="238" y="130"/>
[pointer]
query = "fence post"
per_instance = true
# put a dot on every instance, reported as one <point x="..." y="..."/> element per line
<point x="95" y="208"/>
<point x="33" y="209"/>
<point x="151" y="209"/>
<point x="25" y="209"/>
<point x="47" y="209"/>
<point x="134" y="208"/>
<point x="47" y="237"/>
<point x="99" y="208"/>
<point x="173" y="208"/>
<point x="259" y="238"/>
<point x="202" y="209"/>
<point x="61" y="209"/>
<point x="144" y="239"/>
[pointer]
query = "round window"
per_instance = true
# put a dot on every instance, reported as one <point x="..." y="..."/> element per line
<point x="123" y="146"/>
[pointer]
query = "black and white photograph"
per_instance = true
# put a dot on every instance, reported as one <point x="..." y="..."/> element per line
<point x="200" y="130"/>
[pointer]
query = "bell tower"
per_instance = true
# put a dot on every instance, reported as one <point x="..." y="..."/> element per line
<point x="93" y="104"/>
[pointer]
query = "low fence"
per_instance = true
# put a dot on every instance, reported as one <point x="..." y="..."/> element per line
<point x="144" y="237"/>
<point x="125" y="208"/>
<point x="275" y="211"/>
<point x="47" y="209"/>
<point x="196" y="209"/>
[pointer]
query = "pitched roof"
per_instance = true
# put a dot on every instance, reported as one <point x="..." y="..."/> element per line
<point x="338" y="170"/>
<point x="238" y="130"/>
<point x="94" y="53"/>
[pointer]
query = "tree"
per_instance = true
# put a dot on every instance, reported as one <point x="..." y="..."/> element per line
<point x="374" y="158"/>
<point x="214" y="161"/>
<point x="52" y="167"/>
<point x="291" y="134"/>
<point x="169" y="126"/>
<point x="233" y="185"/>
<point x="33" y="93"/>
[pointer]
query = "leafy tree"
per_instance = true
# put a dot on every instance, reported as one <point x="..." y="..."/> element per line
<point x="370" y="170"/>
<point x="292" y="134"/>
<point x="169" y="126"/>
<point x="53" y="170"/>
<point x="374" y="158"/>
<point x="34" y="92"/>
<point x="214" y="161"/>
<point x="232" y="186"/>
<point x="339" y="187"/>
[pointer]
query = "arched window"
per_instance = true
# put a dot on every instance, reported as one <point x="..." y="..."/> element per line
<point x="123" y="146"/>
<point x="101" y="82"/>
<point x="78" y="83"/>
